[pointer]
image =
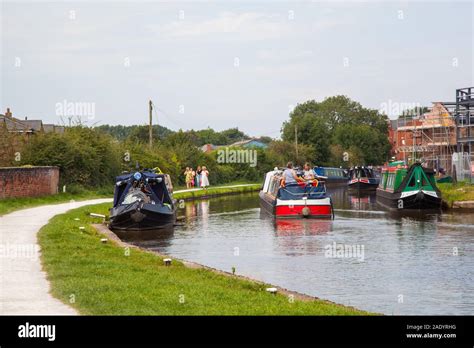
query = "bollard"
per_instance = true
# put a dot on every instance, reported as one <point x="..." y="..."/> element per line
<point x="97" y="215"/>
<point x="272" y="291"/>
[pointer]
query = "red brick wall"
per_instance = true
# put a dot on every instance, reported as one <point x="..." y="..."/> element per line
<point x="28" y="182"/>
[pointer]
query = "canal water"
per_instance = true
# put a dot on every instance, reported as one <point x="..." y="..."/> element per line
<point x="366" y="257"/>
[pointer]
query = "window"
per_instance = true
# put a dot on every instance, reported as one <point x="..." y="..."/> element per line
<point x="391" y="180"/>
<point x="383" y="181"/>
<point x="412" y="182"/>
<point x="424" y="181"/>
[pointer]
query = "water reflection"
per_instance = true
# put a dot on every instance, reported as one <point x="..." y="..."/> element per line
<point x="301" y="227"/>
<point x="428" y="257"/>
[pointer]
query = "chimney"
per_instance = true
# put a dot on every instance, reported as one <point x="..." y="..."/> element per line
<point x="8" y="113"/>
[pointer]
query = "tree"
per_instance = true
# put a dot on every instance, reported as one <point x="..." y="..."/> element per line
<point x="366" y="144"/>
<point x="333" y="122"/>
<point x="279" y="153"/>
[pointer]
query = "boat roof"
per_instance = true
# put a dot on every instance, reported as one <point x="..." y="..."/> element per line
<point x="396" y="163"/>
<point x="146" y="174"/>
<point x="329" y="167"/>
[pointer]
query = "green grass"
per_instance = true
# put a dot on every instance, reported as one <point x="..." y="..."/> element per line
<point x="461" y="191"/>
<point x="11" y="204"/>
<point x="105" y="281"/>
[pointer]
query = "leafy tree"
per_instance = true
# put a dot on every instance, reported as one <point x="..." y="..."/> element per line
<point x="367" y="144"/>
<point x="138" y="133"/>
<point x="279" y="153"/>
<point x="340" y="121"/>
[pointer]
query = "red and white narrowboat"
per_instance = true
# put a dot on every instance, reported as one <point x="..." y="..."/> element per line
<point x="306" y="199"/>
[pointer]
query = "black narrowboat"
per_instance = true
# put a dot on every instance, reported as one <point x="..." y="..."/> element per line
<point x="362" y="179"/>
<point x="143" y="201"/>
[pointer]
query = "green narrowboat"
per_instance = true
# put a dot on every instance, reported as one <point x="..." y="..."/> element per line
<point x="408" y="188"/>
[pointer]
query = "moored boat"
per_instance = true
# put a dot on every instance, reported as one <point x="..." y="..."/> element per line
<point x="332" y="177"/>
<point x="142" y="200"/>
<point x="306" y="199"/>
<point x="362" y="178"/>
<point x="408" y="188"/>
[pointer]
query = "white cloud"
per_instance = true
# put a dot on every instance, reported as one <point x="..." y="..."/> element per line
<point x="246" y="26"/>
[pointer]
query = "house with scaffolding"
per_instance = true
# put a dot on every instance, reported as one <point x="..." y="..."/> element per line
<point x="430" y="137"/>
<point x="442" y="138"/>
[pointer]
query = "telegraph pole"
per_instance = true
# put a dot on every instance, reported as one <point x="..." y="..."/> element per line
<point x="296" y="141"/>
<point x="150" y="126"/>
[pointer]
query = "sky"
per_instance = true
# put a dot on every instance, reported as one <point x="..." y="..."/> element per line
<point x="242" y="64"/>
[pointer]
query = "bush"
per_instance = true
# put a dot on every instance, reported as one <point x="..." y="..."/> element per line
<point x="84" y="156"/>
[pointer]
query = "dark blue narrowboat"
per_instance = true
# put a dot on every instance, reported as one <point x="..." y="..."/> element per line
<point x="332" y="176"/>
<point x="142" y="201"/>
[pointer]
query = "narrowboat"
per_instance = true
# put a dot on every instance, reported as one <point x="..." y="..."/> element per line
<point x="143" y="201"/>
<point x="408" y="188"/>
<point x="332" y="177"/>
<point x="362" y="178"/>
<point x="306" y="199"/>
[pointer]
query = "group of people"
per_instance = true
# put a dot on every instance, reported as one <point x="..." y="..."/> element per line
<point x="196" y="178"/>
<point x="289" y="174"/>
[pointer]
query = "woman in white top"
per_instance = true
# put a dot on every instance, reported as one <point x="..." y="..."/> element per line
<point x="308" y="172"/>
<point x="204" y="177"/>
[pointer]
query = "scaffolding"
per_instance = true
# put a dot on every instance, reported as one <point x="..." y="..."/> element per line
<point x="464" y="115"/>
<point x="429" y="138"/>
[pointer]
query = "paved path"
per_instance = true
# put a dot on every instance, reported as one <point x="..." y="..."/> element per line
<point x="24" y="289"/>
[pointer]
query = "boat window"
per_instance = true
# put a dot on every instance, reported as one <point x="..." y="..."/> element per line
<point x="424" y="182"/>
<point x="383" y="181"/>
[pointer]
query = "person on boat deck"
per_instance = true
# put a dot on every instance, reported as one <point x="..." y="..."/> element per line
<point x="204" y="177"/>
<point x="198" y="176"/>
<point x="308" y="172"/>
<point x="289" y="175"/>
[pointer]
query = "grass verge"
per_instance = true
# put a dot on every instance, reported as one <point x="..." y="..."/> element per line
<point x="106" y="279"/>
<point x="217" y="191"/>
<point x="461" y="191"/>
<point x="11" y="204"/>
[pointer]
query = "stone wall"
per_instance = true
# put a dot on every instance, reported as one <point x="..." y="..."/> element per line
<point x="28" y="181"/>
